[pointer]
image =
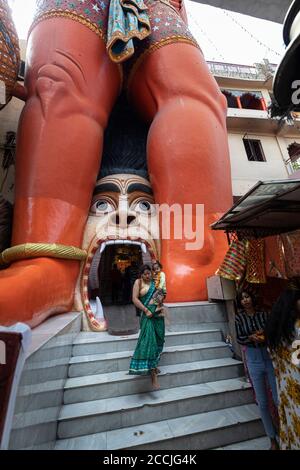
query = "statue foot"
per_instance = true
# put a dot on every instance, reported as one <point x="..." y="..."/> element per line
<point x="32" y="290"/>
<point x="187" y="283"/>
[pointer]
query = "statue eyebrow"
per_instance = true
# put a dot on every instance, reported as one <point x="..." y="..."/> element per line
<point x="139" y="187"/>
<point x="106" y="187"/>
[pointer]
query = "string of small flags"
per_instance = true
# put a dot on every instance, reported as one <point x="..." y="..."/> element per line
<point x="208" y="38"/>
<point x="250" y="34"/>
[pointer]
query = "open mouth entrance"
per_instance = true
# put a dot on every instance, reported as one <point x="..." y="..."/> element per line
<point x="113" y="271"/>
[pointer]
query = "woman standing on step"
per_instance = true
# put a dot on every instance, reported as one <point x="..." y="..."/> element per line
<point x="250" y="325"/>
<point x="152" y="333"/>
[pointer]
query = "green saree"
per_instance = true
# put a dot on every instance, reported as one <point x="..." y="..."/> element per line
<point x="151" y="339"/>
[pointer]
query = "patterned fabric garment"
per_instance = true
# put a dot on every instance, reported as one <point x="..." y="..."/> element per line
<point x="247" y="325"/>
<point x="235" y="262"/>
<point x="108" y="22"/>
<point x="151" y="339"/>
<point x="288" y="385"/>
<point x="274" y="260"/>
<point x="291" y="243"/>
<point x="128" y="20"/>
<point x="255" y="271"/>
<point x="167" y="27"/>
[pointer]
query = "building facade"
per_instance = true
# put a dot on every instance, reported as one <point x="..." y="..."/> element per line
<point x="261" y="148"/>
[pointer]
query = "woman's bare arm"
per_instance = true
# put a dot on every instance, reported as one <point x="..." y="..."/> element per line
<point x="136" y="300"/>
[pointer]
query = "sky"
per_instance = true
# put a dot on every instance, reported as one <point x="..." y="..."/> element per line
<point x="223" y="36"/>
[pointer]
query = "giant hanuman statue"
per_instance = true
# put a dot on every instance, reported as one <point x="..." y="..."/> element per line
<point x="81" y="55"/>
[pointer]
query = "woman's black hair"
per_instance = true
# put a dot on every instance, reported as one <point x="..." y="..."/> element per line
<point x="144" y="268"/>
<point x="240" y="296"/>
<point x="158" y="263"/>
<point x="281" y="325"/>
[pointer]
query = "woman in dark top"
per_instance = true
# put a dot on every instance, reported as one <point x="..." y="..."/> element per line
<point x="250" y="325"/>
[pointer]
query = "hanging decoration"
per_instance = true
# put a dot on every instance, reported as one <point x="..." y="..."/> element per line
<point x="244" y="259"/>
<point x="255" y="270"/>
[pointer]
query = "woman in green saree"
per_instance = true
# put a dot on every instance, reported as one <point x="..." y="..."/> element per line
<point x="152" y="327"/>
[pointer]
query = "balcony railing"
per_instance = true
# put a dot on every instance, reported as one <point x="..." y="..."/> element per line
<point x="259" y="71"/>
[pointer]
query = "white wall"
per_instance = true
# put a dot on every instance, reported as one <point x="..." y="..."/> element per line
<point x="245" y="173"/>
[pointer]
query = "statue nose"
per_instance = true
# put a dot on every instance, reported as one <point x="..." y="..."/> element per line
<point x="119" y="220"/>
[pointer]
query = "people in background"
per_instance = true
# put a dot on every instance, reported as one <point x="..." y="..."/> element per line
<point x="250" y="325"/>
<point x="283" y="339"/>
<point x="127" y="290"/>
<point x="133" y="273"/>
<point x="116" y="283"/>
<point x="133" y="276"/>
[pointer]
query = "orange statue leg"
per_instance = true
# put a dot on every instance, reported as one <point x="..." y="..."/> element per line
<point x="188" y="157"/>
<point x="72" y="87"/>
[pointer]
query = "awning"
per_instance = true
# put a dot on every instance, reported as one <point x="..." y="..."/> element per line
<point x="269" y="208"/>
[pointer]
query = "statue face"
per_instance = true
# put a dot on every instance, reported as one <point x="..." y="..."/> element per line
<point x="122" y="209"/>
<point x="122" y="212"/>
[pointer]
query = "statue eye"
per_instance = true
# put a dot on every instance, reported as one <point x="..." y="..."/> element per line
<point x="101" y="206"/>
<point x="144" y="206"/>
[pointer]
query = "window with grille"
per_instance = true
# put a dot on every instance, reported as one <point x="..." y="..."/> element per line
<point x="254" y="150"/>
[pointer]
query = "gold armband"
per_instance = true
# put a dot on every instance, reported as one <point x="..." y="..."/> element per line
<point x="40" y="250"/>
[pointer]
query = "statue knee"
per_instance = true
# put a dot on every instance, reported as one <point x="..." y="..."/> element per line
<point x="62" y="74"/>
<point x="62" y="87"/>
<point x="50" y="82"/>
<point x="206" y="93"/>
<point x="190" y="88"/>
<point x="54" y="83"/>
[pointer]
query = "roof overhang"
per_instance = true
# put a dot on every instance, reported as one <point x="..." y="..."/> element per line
<point x="269" y="208"/>
<point x="264" y="9"/>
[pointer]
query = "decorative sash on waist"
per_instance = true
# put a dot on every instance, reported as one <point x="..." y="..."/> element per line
<point x="128" y="20"/>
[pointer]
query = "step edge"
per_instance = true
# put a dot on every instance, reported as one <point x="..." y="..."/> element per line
<point x="147" y="404"/>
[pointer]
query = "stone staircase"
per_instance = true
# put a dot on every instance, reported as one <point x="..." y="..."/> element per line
<point x="204" y="401"/>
